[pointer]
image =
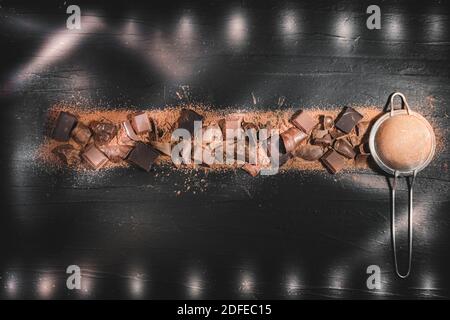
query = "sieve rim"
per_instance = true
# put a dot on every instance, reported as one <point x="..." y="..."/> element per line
<point x="373" y="151"/>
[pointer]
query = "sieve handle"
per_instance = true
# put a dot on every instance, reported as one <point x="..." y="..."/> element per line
<point x="410" y="223"/>
<point x="405" y="103"/>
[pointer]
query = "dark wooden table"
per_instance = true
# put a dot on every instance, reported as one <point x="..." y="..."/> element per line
<point x="294" y="235"/>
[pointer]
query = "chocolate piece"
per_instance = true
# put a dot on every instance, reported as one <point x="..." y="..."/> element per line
<point x="140" y="123"/>
<point x="249" y="125"/>
<point x="363" y="148"/>
<point x="362" y="160"/>
<point x="325" y="141"/>
<point x="318" y="134"/>
<point x="63" y="126"/>
<point x="361" y="127"/>
<point x="143" y="156"/>
<point x="336" y="134"/>
<point x="162" y="147"/>
<point x="292" y="137"/>
<point x="344" y="147"/>
<point x="187" y="118"/>
<point x="115" y="152"/>
<point x="122" y="138"/>
<point x="252" y="169"/>
<point x="354" y="140"/>
<point x="327" y="122"/>
<point x="94" y="157"/>
<point x="128" y="128"/>
<point x="81" y="134"/>
<point x="68" y="154"/>
<point x="309" y="152"/>
<point x="333" y="161"/>
<point x="104" y="131"/>
<point x="303" y="121"/>
<point x="348" y="119"/>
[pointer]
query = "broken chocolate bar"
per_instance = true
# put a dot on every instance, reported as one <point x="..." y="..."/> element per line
<point x="252" y="169"/>
<point x="81" y="134"/>
<point x="326" y="140"/>
<point x="327" y="122"/>
<point x="115" y="152"/>
<point x="309" y="152"/>
<point x="303" y="121"/>
<point x="68" y="154"/>
<point x="348" y="119"/>
<point x="318" y="134"/>
<point x="143" y="156"/>
<point x="128" y="128"/>
<point x="333" y="161"/>
<point x="140" y="123"/>
<point x="292" y="137"/>
<point x="63" y="126"/>
<point x="187" y="118"/>
<point x="104" y="131"/>
<point x="94" y="157"/>
<point x="344" y="147"/>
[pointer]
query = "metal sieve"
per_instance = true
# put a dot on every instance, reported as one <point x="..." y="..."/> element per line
<point x="402" y="143"/>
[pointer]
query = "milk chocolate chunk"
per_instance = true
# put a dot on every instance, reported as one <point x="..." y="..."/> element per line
<point x="94" y="157"/>
<point x="251" y="169"/>
<point x="303" y="121"/>
<point x="187" y="118"/>
<point x="333" y="161"/>
<point x="327" y="122"/>
<point x="128" y="129"/>
<point x="309" y="152"/>
<point x="231" y="122"/>
<point x="344" y="147"/>
<point x="115" y="152"/>
<point x="143" y="156"/>
<point x="63" y="126"/>
<point x="336" y="134"/>
<point x="326" y="140"/>
<point x="348" y="119"/>
<point x="140" y="123"/>
<point x="67" y="154"/>
<point x="81" y="134"/>
<point x="292" y="137"/>
<point x="318" y="134"/>
<point x="104" y="131"/>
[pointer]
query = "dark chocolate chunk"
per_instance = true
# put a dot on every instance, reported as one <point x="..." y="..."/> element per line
<point x="292" y="137"/>
<point x="327" y="122"/>
<point x="336" y="134"/>
<point x="344" y="147"/>
<point x="94" y="157"/>
<point x="348" y="119"/>
<point x="143" y="155"/>
<point x="303" y="121"/>
<point x="104" y="131"/>
<point x="140" y="123"/>
<point x="309" y="152"/>
<point x="187" y="118"/>
<point x="63" y="126"/>
<point x="68" y="154"/>
<point x="326" y="140"/>
<point x="81" y="134"/>
<point x="333" y="161"/>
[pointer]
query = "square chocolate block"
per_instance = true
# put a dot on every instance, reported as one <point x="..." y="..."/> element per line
<point x="94" y="157"/>
<point x="304" y="121"/>
<point x="104" y="131"/>
<point x="63" y="126"/>
<point x="187" y="118"/>
<point x="348" y="119"/>
<point x="140" y="123"/>
<point x="143" y="156"/>
<point x="333" y="161"/>
<point x="81" y="134"/>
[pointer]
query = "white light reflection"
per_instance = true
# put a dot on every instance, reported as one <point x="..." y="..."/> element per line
<point x="395" y="27"/>
<point x="136" y="285"/>
<point x="195" y="285"/>
<point x="435" y="27"/>
<point x="289" y="22"/>
<point x="45" y="286"/>
<point x="292" y="285"/>
<point x="185" y="30"/>
<point x="237" y="28"/>
<point x="12" y="283"/>
<point x="246" y="284"/>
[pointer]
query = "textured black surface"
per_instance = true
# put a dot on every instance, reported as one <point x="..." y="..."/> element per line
<point x="293" y="235"/>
